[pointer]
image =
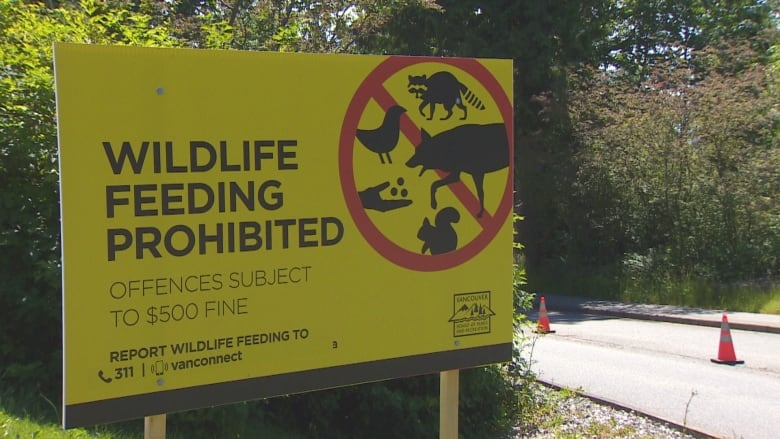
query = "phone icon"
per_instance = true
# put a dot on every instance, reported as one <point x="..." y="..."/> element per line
<point x="103" y="377"/>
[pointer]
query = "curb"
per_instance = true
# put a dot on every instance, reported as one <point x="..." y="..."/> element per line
<point x="646" y="312"/>
<point x="683" y="320"/>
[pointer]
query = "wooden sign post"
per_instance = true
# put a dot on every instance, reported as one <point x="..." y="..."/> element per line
<point x="154" y="427"/>
<point x="449" y="390"/>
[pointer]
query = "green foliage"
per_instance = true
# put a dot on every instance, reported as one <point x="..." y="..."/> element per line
<point x="650" y="33"/>
<point x="277" y="25"/>
<point x="685" y="172"/>
<point x="29" y="215"/>
<point x="409" y="407"/>
<point x="542" y="37"/>
<point x="13" y="427"/>
<point x="216" y="34"/>
<point x="525" y="403"/>
<point x="769" y="303"/>
<point x="395" y="408"/>
<point x="586" y="225"/>
<point x="28" y="200"/>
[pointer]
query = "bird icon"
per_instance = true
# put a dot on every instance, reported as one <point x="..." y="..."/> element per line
<point x="384" y="139"/>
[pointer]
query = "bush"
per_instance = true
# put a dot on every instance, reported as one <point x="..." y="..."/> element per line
<point x="30" y="269"/>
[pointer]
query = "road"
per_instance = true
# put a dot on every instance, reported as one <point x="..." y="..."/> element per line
<point x="664" y="369"/>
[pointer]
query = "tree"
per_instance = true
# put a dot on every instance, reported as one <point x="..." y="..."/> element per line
<point x="276" y="25"/>
<point x="577" y="218"/>
<point x="542" y="37"/>
<point x="686" y="171"/>
<point x="670" y="31"/>
<point x="30" y="306"/>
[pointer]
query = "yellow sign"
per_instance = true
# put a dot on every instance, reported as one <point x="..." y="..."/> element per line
<point x="240" y="225"/>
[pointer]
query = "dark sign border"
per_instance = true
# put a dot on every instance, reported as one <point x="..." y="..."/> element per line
<point x="207" y="395"/>
<point x="169" y="401"/>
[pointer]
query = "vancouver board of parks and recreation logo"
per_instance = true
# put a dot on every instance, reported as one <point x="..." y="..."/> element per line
<point x="425" y="160"/>
<point x="471" y="314"/>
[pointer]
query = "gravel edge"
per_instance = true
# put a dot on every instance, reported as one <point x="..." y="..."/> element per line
<point x="582" y="415"/>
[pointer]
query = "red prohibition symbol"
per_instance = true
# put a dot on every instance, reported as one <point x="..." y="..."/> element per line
<point x="372" y="88"/>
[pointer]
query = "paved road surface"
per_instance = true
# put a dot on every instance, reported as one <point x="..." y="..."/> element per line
<point x="665" y="369"/>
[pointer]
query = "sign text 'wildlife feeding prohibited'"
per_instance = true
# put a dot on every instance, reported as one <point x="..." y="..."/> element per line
<point x="240" y="225"/>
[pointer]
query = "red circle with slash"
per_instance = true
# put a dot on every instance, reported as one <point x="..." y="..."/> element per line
<point x="372" y="88"/>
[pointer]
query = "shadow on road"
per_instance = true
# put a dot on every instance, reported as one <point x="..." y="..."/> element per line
<point x="568" y="317"/>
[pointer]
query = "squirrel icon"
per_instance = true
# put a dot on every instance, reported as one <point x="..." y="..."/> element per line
<point x="442" y="237"/>
<point x="442" y="88"/>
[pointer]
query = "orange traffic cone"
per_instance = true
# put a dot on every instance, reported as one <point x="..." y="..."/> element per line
<point x="544" y="322"/>
<point x="726" y="353"/>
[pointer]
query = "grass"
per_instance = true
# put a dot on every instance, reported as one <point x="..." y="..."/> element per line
<point x="759" y="296"/>
<point x="772" y="305"/>
<point x="12" y="427"/>
<point x="179" y="426"/>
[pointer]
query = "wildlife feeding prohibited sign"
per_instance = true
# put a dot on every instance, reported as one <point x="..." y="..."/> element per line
<point x="239" y="225"/>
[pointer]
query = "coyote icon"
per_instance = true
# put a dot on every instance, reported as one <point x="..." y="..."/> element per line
<point x="473" y="149"/>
